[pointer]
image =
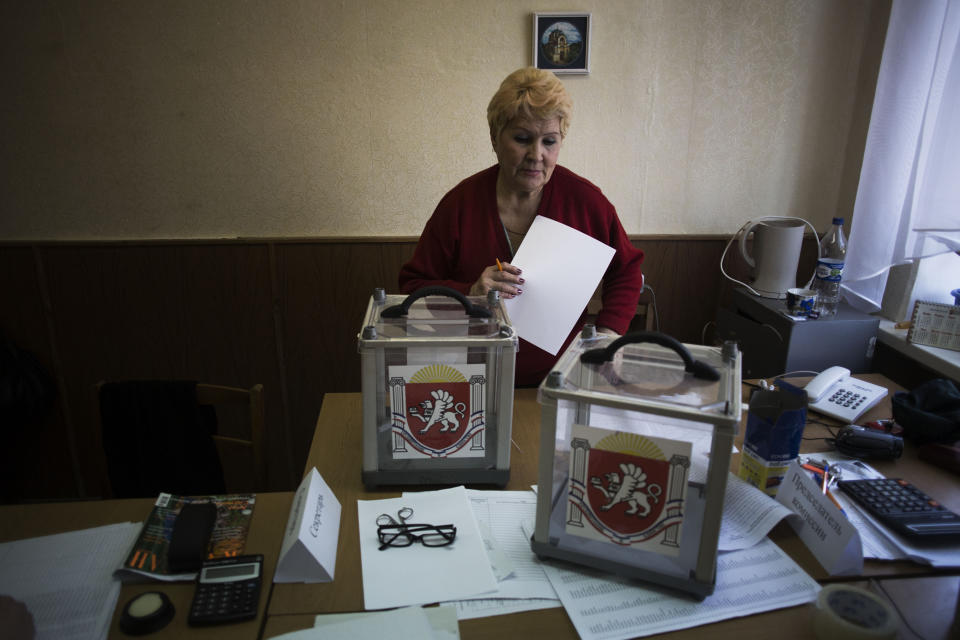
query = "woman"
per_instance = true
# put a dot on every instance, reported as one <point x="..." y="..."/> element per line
<point x="484" y="218"/>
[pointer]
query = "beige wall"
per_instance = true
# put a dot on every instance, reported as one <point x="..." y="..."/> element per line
<point x="269" y="118"/>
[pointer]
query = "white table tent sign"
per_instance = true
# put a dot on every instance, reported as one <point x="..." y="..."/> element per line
<point x="309" y="550"/>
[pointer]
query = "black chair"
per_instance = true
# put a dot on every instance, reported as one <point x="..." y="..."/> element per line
<point x="165" y="436"/>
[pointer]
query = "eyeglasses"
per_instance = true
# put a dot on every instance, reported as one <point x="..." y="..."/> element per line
<point x="391" y="533"/>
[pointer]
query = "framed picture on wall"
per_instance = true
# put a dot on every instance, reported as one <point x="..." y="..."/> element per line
<point x="561" y="42"/>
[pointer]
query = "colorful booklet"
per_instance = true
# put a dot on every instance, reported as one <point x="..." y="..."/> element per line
<point x="148" y="557"/>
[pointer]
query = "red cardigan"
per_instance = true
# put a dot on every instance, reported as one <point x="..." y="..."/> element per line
<point x="464" y="236"/>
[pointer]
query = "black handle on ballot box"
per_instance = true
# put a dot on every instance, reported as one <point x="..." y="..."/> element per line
<point x="698" y="368"/>
<point x="399" y="310"/>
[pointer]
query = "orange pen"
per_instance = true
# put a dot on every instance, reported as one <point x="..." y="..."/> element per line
<point x="499" y="266"/>
<point x="835" y="502"/>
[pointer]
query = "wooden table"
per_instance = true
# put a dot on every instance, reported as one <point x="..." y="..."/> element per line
<point x="336" y="452"/>
<point x="264" y="537"/>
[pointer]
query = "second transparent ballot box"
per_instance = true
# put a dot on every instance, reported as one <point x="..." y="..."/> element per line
<point x="635" y="442"/>
<point x="437" y="373"/>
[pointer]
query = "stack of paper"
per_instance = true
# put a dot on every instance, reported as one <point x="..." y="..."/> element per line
<point x="66" y="580"/>
<point x="749" y="581"/>
<point x="599" y="604"/>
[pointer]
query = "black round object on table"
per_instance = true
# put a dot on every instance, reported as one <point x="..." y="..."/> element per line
<point x="146" y="613"/>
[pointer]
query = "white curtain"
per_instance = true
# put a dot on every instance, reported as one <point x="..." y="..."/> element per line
<point x="908" y="200"/>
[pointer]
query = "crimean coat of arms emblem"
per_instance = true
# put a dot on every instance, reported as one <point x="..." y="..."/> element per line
<point x="627" y="489"/>
<point x="438" y="410"/>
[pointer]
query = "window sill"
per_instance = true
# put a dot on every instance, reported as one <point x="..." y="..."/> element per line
<point x="943" y="361"/>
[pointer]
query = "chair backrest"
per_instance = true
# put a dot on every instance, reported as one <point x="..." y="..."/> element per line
<point x="641" y="321"/>
<point x="238" y="441"/>
<point x="252" y="400"/>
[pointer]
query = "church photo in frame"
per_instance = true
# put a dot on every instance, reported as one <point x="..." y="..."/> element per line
<point x="561" y="42"/>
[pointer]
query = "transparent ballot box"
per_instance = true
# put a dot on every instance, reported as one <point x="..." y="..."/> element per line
<point x="635" y="445"/>
<point x="437" y="373"/>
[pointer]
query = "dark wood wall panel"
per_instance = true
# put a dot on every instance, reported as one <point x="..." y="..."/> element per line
<point x="324" y="293"/>
<point x="200" y="312"/>
<point x="283" y="313"/>
<point x="686" y="282"/>
<point x="35" y="458"/>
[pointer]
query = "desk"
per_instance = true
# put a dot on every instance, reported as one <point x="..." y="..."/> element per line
<point x="265" y="536"/>
<point x="336" y="452"/>
<point x="935" y="480"/>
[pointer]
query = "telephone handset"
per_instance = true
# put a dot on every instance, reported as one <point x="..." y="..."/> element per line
<point x="834" y="393"/>
<point x="827" y="378"/>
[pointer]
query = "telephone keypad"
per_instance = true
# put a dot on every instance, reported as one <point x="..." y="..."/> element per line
<point x="845" y="398"/>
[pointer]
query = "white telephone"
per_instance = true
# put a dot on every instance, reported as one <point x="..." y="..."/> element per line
<point x="834" y="393"/>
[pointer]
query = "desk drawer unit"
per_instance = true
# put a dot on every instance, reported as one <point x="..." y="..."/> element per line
<point x="774" y="343"/>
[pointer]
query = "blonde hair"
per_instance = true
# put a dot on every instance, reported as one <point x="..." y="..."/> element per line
<point x="529" y="93"/>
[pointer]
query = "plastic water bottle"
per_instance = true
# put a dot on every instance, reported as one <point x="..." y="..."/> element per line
<point x="833" y="251"/>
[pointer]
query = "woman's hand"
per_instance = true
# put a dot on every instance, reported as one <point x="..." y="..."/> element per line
<point x="502" y="277"/>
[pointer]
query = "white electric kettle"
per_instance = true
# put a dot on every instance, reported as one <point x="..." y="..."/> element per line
<point x="776" y="253"/>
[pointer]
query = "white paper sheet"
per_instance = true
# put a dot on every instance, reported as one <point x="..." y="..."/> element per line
<point x="442" y="621"/>
<point x="407" y="623"/>
<point x="66" y="580"/>
<point x="525" y="587"/>
<point x="503" y="511"/>
<point x="397" y="577"/>
<point x="898" y="547"/>
<point x="748" y="515"/>
<point x="470" y="609"/>
<point x="603" y="607"/>
<point x="561" y="269"/>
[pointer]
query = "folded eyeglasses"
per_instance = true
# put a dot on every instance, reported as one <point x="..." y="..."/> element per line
<point x="392" y="533"/>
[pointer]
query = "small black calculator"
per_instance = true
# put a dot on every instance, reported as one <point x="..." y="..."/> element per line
<point x="228" y="590"/>
<point x="905" y="509"/>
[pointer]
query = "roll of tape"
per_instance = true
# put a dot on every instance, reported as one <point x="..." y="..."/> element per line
<point x="852" y="613"/>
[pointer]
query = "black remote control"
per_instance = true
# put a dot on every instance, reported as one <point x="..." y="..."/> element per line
<point x="905" y="509"/>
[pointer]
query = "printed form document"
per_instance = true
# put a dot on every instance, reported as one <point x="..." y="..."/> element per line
<point x="66" y="580"/>
<point x="755" y="575"/>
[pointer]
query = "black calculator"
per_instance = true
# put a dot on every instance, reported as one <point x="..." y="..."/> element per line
<point x="905" y="509"/>
<point x="228" y="590"/>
